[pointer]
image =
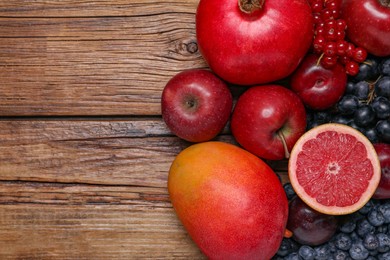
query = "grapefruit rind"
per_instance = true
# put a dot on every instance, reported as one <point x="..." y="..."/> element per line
<point x="311" y="201"/>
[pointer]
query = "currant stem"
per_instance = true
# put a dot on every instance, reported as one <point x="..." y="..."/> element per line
<point x="286" y="152"/>
<point x="250" y="6"/>
<point x="320" y="58"/>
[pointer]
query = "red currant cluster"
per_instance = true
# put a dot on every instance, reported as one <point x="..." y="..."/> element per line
<point x="330" y="40"/>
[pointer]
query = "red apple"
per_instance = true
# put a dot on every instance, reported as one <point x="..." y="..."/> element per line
<point x="318" y="87"/>
<point x="368" y="24"/>
<point x="383" y="190"/>
<point x="196" y="105"/>
<point x="268" y="120"/>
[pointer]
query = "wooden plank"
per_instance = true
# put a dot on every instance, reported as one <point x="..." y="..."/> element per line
<point x="92" y="65"/>
<point x="87" y="8"/>
<point x="71" y="221"/>
<point x="44" y="231"/>
<point x="132" y="152"/>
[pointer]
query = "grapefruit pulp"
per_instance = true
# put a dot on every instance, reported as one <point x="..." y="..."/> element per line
<point x="334" y="169"/>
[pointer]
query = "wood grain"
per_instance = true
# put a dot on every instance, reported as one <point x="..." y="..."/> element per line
<point x="90" y="189"/>
<point x="84" y="153"/>
<point x="80" y="58"/>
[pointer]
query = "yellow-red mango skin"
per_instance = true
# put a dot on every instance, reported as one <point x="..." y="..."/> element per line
<point x="231" y="203"/>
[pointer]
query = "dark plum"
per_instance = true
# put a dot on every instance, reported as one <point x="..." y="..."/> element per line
<point x="383" y="190"/>
<point x="308" y="226"/>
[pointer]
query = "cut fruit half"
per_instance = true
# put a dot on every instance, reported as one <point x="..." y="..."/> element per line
<point x="334" y="169"/>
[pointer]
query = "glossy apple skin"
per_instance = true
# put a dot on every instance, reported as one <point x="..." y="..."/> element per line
<point x="368" y="25"/>
<point x="308" y="226"/>
<point x="383" y="190"/>
<point x="253" y="48"/>
<point x="261" y="113"/>
<point x="196" y="105"/>
<point x="319" y="88"/>
<point x="231" y="203"/>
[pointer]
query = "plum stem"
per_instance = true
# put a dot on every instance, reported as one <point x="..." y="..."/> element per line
<point x="286" y="152"/>
<point x="250" y="6"/>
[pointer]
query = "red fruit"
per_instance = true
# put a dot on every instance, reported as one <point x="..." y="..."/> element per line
<point x="266" y="116"/>
<point x="231" y="203"/>
<point x="249" y="42"/>
<point x="383" y="190"/>
<point x="368" y="24"/>
<point x="334" y="169"/>
<point x="196" y="105"/>
<point x="309" y="227"/>
<point x="318" y="87"/>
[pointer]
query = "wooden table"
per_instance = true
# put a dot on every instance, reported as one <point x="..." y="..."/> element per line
<point x="84" y="153"/>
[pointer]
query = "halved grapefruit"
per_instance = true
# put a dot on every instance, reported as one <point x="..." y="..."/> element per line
<point x="334" y="169"/>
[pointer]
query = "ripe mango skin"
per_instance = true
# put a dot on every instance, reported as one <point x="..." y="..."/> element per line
<point x="231" y="203"/>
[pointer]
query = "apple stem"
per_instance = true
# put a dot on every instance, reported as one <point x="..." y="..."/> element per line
<point x="286" y="152"/>
<point x="250" y="6"/>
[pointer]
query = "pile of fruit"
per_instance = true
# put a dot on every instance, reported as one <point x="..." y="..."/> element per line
<point x="316" y="80"/>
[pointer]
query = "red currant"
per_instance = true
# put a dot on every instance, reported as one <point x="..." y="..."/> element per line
<point x="330" y="49"/>
<point x="359" y="54"/>
<point x="328" y="62"/>
<point x="352" y="68"/>
<point x="341" y="47"/>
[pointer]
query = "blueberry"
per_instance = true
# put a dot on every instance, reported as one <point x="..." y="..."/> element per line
<point x="358" y="251"/>
<point x="385" y="210"/>
<point x="383" y="129"/>
<point x="381" y="229"/>
<point x="371" y="242"/>
<point x="292" y="256"/>
<point x="364" y="227"/>
<point x="382" y="87"/>
<point x="322" y="252"/>
<point x="384" y="242"/>
<point x="306" y="252"/>
<point x="384" y="256"/>
<point x="376" y="218"/>
<point x="343" y="241"/>
<point x="385" y="67"/>
<point x="367" y="207"/>
<point x="364" y="116"/>
<point x="290" y="192"/>
<point x="286" y="247"/>
<point x="348" y="226"/>
<point x="340" y="255"/>
<point x="381" y="106"/>
<point x="348" y="104"/>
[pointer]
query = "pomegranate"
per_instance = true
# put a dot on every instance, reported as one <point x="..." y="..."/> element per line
<point x="249" y="42"/>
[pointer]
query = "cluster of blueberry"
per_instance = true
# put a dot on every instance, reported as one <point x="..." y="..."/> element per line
<point x="364" y="234"/>
<point x="366" y="103"/>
